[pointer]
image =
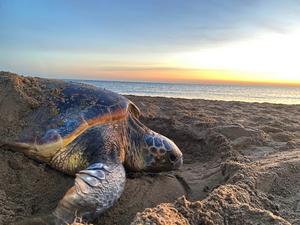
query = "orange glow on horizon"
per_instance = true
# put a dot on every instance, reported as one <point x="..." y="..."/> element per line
<point x="184" y="75"/>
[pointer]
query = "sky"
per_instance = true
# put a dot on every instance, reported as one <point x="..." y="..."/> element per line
<point x="153" y="40"/>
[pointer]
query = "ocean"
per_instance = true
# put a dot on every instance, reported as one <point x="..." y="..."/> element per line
<point x="226" y="92"/>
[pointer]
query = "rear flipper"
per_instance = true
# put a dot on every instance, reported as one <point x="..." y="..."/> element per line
<point x="96" y="189"/>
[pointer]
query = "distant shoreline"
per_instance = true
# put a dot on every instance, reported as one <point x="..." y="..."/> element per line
<point x="221" y="92"/>
<point x="209" y="100"/>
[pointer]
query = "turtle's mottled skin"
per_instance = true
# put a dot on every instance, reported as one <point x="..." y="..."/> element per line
<point x="93" y="134"/>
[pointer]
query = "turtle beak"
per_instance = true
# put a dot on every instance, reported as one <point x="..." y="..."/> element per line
<point x="178" y="163"/>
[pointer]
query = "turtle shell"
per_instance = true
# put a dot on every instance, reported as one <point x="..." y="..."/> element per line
<point x="69" y="112"/>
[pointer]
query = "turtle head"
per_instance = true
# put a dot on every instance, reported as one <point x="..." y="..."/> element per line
<point x="160" y="153"/>
<point x="150" y="151"/>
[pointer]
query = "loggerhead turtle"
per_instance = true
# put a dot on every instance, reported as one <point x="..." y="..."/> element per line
<point x="92" y="133"/>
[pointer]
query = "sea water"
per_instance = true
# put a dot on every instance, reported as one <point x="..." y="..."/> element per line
<point x="227" y="92"/>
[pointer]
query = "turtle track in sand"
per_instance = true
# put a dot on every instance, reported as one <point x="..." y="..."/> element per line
<point x="241" y="161"/>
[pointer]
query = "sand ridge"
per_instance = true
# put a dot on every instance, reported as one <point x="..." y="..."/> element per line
<point x="241" y="164"/>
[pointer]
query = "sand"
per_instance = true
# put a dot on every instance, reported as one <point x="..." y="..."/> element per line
<point x="241" y="163"/>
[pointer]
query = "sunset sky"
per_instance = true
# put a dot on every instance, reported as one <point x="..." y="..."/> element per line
<point x="154" y="40"/>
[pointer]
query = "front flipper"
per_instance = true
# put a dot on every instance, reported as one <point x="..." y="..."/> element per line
<point x="96" y="189"/>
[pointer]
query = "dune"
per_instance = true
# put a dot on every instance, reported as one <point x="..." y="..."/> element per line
<point x="241" y="164"/>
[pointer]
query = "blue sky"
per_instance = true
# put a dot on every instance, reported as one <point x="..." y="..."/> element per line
<point x="87" y="38"/>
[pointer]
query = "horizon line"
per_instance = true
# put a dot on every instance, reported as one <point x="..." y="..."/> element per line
<point x="199" y="81"/>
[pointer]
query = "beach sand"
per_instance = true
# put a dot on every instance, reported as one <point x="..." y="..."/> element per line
<point x="241" y="164"/>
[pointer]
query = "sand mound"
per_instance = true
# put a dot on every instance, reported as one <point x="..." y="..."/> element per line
<point x="227" y="205"/>
<point x="261" y="192"/>
<point x="241" y="163"/>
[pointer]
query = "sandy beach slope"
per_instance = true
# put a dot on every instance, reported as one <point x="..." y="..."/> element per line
<point x="241" y="164"/>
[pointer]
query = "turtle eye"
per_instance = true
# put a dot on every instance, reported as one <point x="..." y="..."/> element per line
<point x="172" y="157"/>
